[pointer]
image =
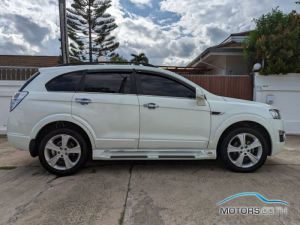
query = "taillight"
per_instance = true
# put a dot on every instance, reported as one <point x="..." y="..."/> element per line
<point x="17" y="98"/>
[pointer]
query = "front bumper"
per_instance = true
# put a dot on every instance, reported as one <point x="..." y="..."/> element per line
<point x="277" y="136"/>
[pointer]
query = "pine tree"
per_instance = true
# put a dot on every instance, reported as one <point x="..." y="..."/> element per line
<point x="89" y="29"/>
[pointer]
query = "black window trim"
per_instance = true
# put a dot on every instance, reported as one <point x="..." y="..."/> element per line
<point x="139" y="86"/>
<point x="78" y="85"/>
<point x="29" y="80"/>
<point x="133" y="89"/>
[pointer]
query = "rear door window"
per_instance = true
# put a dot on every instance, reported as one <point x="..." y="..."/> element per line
<point x="103" y="82"/>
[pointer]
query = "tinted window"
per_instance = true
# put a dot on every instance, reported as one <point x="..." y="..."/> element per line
<point x="107" y="83"/>
<point x="67" y="82"/>
<point x="162" y="86"/>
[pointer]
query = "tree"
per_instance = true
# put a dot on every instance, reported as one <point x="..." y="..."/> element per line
<point x="139" y="59"/>
<point x="275" y="43"/>
<point x="118" y="58"/>
<point x="89" y="29"/>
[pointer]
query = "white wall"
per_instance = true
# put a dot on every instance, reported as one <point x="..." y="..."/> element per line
<point x="7" y="89"/>
<point x="285" y="92"/>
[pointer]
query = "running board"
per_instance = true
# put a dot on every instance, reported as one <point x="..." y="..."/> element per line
<point x="146" y="154"/>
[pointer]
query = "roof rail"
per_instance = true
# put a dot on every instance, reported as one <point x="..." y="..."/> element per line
<point x="105" y="62"/>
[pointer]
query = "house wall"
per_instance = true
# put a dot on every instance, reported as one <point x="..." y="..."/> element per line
<point x="7" y="89"/>
<point x="236" y="65"/>
<point x="284" y="91"/>
<point x="219" y="61"/>
<point x="228" y="65"/>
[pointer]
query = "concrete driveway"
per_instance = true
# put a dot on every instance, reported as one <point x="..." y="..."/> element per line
<point x="138" y="193"/>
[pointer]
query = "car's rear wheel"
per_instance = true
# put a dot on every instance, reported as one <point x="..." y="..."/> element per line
<point x="244" y="149"/>
<point x="63" y="151"/>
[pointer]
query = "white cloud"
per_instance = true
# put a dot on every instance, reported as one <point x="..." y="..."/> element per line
<point x="200" y="25"/>
<point x="141" y="2"/>
<point x="210" y="21"/>
<point x="30" y="24"/>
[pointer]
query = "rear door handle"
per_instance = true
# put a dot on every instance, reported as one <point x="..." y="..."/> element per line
<point x="83" y="101"/>
<point x="151" y="105"/>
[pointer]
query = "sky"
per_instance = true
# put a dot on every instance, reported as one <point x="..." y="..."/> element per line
<point x="169" y="32"/>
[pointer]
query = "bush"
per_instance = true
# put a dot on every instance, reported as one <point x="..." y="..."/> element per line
<point x="275" y="43"/>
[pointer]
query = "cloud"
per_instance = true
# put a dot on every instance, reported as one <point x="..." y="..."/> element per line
<point x="170" y="32"/>
<point x="29" y="27"/>
<point x="141" y="2"/>
<point x="7" y="47"/>
<point x="216" y="34"/>
<point x="31" y="32"/>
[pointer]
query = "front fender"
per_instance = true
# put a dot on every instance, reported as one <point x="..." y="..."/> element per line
<point x="63" y="117"/>
<point x="220" y="124"/>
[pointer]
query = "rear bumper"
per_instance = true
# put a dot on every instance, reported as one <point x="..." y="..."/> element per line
<point x="19" y="141"/>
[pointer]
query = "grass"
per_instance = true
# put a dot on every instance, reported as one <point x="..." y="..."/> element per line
<point x="7" y="167"/>
<point x="121" y="219"/>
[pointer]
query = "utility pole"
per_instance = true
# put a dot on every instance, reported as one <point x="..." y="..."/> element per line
<point x="63" y="31"/>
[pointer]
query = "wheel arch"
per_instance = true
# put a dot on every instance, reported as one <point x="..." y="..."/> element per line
<point x="41" y="128"/>
<point x="246" y="123"/>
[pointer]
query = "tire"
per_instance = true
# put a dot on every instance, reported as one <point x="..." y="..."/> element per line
<point x="247" y="156"/>
<point x="63" y="151"/>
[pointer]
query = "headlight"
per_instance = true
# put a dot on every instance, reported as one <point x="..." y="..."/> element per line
<point x="275" y="114"/>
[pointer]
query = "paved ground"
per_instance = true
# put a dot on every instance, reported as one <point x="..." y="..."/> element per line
<point x="138" y="193"/>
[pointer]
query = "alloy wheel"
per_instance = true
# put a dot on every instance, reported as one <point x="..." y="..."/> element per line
<point x="62" y="152"/>
<point x="244" y="150"/>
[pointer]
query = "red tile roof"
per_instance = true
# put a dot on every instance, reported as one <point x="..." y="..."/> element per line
<point x="28" y="61"/>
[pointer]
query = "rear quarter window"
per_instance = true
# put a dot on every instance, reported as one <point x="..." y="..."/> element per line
<point x="65" y="83"/>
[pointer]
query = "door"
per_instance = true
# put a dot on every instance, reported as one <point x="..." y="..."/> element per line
<point x="107" y="103"/>
<point x="169" y="115"/>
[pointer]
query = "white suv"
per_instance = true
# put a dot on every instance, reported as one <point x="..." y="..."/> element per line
<point x="68" y="114"/>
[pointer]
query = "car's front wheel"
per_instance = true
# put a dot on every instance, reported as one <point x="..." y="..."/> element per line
<point x="63" y="151"/>
<point x="244" y="149"/>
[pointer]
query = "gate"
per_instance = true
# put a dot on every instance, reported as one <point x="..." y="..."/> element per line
<point x="234" y="86"/>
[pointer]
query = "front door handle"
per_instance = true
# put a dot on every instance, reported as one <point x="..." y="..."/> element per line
<point x="151" y="106"/>
<point x="83" y="101"/>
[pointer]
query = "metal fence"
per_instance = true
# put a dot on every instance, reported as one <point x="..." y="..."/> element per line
<point x="16" y="73"/>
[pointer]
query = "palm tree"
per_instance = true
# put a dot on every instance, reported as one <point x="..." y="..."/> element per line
<point x="139" y="59"/>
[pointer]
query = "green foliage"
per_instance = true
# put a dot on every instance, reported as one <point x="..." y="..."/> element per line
<point x="275" y="43"/>
<point x="139" y="59"/>
<point x="89" y="29"/>
<point x="118" y="58"/>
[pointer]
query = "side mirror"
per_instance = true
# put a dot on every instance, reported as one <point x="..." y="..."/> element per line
<point x="256" y="67"/>
<point x="200" y="97"/>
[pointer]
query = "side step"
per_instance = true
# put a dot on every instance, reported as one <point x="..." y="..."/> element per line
<point x="169" y="154"/>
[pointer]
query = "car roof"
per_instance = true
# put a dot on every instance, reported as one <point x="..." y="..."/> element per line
<point x="66" y="69"/>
